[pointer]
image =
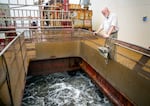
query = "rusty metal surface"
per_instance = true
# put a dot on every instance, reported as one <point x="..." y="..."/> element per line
<point x="134" y="60"/>
<point x="15" y="65"/>
<point x="2" y="72"/>
<point x="115" y="96"/>
<point x="124" y="79"/>
<point x="43" y="67"/>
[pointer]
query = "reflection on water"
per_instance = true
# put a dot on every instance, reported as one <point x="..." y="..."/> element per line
<point x="63" y="89"/>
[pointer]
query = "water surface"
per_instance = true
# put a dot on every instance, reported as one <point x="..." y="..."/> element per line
<point x="63" y="89"/>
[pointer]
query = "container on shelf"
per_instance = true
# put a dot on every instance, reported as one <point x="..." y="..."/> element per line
<point x="87" y="23"/>
<point x="78" y="23"/>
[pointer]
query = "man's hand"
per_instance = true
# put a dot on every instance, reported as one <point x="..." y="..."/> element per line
<point x="94" y="33"/>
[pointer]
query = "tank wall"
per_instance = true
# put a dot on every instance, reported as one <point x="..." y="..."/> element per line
<point x="129" y="73"/>
<point x="15" y="65"/>
<point x="126" y="79"/>
<point x="46" y="50"/>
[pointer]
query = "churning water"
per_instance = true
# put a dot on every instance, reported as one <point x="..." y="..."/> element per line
<point x="63" y="89"/>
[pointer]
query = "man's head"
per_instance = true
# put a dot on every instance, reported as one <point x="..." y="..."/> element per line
<point x="105" y="12"/>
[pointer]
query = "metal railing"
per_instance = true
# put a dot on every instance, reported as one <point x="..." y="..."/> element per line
<point x="21" y="15"/>
<point x="42" y="35"/>
<point x="23" y="18"/>
<point x="52" y="35"/>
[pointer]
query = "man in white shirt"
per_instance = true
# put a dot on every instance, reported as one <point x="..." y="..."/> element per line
<point x="110" y="24"/>
<point x="109" y="29"/>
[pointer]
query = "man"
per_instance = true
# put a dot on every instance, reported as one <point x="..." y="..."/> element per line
<point x="108" y="29"/>
<point x="47" y="22"/>
<point x="110" y="24"/>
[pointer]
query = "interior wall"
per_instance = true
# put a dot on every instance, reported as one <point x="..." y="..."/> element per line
<point x="130" y="13"/>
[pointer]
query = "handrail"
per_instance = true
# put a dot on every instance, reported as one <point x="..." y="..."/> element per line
<point x="8" y="45"/>
<point x="79" y="37"/>
<point x="133" y="47"/>
<point x="129" y="46"/>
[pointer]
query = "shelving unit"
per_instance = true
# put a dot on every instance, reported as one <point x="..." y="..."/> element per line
<point x="82" y="18"/>
<point x="55" y="14"/>
<point x="66" y="15"/>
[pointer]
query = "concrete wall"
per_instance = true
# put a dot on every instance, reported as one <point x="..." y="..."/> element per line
<point x="130" y="13"/>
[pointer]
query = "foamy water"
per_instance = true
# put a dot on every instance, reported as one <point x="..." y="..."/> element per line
<point x="61" y="89"/>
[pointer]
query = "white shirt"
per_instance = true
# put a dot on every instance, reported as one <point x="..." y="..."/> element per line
<point x="110" y="21"/>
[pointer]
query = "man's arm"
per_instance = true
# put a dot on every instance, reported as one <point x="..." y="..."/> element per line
<point x="109" y="32"/>
<point x="112" y="28"/>
<point x="99" y="30"/>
